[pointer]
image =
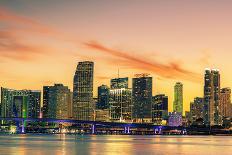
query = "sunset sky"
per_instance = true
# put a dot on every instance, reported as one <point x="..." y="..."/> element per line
<point x="41" y="42"/>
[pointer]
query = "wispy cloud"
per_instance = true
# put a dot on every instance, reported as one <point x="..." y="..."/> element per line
<point x="13" y="48"/>
<point x="31" y="25"/>
<point x="169" y="70"/>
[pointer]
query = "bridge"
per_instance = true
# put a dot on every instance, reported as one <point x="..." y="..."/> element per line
<point x="125" y="125"/>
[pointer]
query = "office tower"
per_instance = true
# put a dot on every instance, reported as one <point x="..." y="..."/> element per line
<point x="20" y="103"/>
<point x="159" y="108"/>
<point x="34" y="103"/>
<point x="45" y="101"/>
<point x="103" y="97"/>
<point x="212" y="114"/>
<point x="142" y="98"/>
<point x="178" y="98"/>
<point x="175" y="119"/>
<point x="118" y="83"/>
<point x="59" y="101"/>
<point x="120" y="104"/>
<point x="83" y="91"/>
<point x="196" y="109"/>
<point x="225" y="102"/>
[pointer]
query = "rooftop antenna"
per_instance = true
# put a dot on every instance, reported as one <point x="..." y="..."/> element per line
<point x="118" y="72"/>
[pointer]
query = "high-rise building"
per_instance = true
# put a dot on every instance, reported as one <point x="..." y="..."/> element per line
<point x="178" y="98"/>
<point x="118" y="83"/>
<point x="34" y="103"/>
<point x="225" y="102"/>
<point x="45" y="101"/>
<point x="59" y="101"/>
<point x="159" y="108"/>
<point x="212" y="114"/>
<point x="103" y="97"/>
<point x="20" y="103"/>
<point x="196" y="109"/>
<point x="142" y="98"/>
<point x="83" y="91"/>
<point x="120" y="104"/>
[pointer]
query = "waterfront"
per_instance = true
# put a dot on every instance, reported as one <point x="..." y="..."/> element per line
<point x="114" y="144"/>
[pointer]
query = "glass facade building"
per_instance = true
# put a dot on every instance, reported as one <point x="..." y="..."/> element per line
<point x="20" y="103"/>
<point x="83" y="91"/>
<point x="103" y="97"/>
<point x="178" y="98"/>
<point x="142" y="98"/>
<point x="59" y="101"/>
<point x="120" y="104"/>
<point x="159" y="108"/>
<point x="118" y="83"/>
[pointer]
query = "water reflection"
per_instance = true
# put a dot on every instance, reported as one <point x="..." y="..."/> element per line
<point x="114" y="145"/>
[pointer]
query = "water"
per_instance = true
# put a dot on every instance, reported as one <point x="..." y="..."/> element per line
<point x="114" y="145"/>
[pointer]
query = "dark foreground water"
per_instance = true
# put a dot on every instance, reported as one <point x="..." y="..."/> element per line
<point x="114" y="145"/>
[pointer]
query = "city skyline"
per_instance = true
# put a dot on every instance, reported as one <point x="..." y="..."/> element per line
<point x="166" y="46"/>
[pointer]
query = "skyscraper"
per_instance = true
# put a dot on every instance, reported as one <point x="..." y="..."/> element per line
<point x="118" y="83"/>
<point x="103" y="97"/>
<point x="34" y="103"/>
<point x="83" y="91"/>
<point x="178" y="98"/>
<point x="212" y="114"/>
<point x="120" y="104"/>
<point x="159" y="108"/>
<point x="45" y="101"/>
<point x="59" y="101"/>
<point x="142" y="98"/>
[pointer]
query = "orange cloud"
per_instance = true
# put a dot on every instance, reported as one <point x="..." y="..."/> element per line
<point x="12" y="47"/>
<point x="170" y="70"/>
<point x="8" y="16"/>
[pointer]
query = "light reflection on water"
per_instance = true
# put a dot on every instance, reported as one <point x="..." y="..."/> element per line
<point x="114" y="145"/>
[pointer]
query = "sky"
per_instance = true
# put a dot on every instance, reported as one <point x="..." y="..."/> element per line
<point x="42" y="41"/>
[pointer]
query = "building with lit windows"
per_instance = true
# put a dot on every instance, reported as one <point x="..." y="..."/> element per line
<point x="225" y="102"/>
<point x="178" y="98"/>
<point x="196" y="109"/>
<point x="212" y="114"/>
<point x="83" y="91"/>
<point x="20" y="103"/>
<point x="59" y="101"/>
<point x="120" y="104"/>
<point x="142" y="98"/>
<point x="159" y="109"/>
<point x="103" y="97"/>
<point x="118" y="83"/>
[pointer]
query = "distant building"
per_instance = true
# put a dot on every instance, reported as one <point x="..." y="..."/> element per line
<point x="59" y="101"/>
<point x="159" y="108"/>
<point x="142" y="98"/>
<point x="175" y="119"/>
<point x="34" y="103"/>
<point x="212" y="115"/>
<point x="225" y="102"/>
<point x="178" y="98"/>
<point x="103" y="97"/>
<point x="83" y="91"/>
<point x="196" y="109"/>
<point x="20" y="103"/>
<point x="118" y="83"/>
<point x="120" y="104"/>
<point x="102" y="115"/>
<point x="45" y="101"/>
